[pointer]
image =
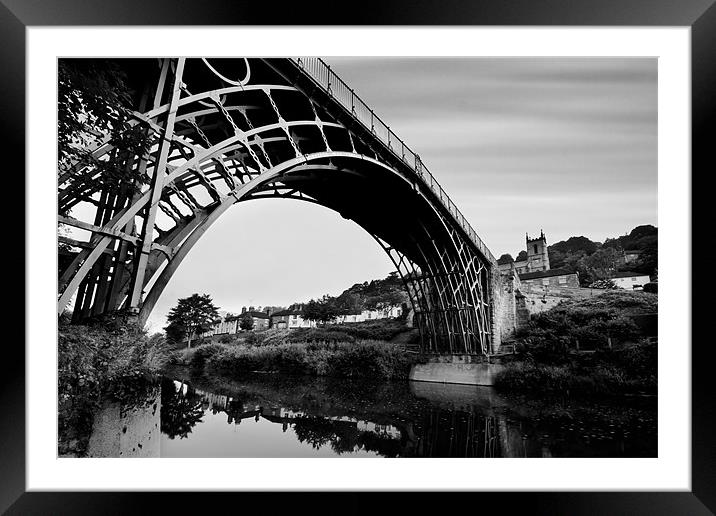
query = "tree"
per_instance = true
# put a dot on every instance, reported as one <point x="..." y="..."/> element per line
<point x="95" y="103"/>
<point x="322" y="310"/>
<point x="648" y="261"/>
<point x="349" y="303"/>
<point x="602" y="263"/>
<point x="192" y="316"/>
<point x="521" y="257"/>
<point x="505" y="259"/>
<point x="246" y="322"/>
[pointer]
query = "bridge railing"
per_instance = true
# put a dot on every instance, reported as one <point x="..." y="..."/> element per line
<point x="322" y="74"/>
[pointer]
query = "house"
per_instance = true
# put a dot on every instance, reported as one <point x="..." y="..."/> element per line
<point x="290" y="319"/>
<point x="630" y="280"/>
<point x="260" y="319"/>
<point x="631" y="256"/>
<point x="390" y="312"/>
<point x="232" y="323"/>
<point x="548" y="280"/>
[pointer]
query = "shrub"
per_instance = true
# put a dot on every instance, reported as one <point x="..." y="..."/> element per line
<point x="368" y="359"/>
<point x="253" y="339"/>
<point x="379" y="329"/>
<point x="109" y="358"/>
<point x="227" y="339"/>
<point x="588" y="323"/>
<point x="197" y="357"/>
<point x="289" y="358"/>
<point x="651" y="287"/>
<point x="92" y="357"/>
<point x="602" y="378"/>
<point x="640" y="359"/>
<point x="320" y="335"/>
<point x="274" y="337"/>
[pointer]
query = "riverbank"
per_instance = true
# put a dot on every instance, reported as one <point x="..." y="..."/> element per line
<point x="359" y="359"/>
<point x="388" y="330"/>
<point x="627" y="371"/>
<point x="589" y="347"/>
<point x="109" y="359"/>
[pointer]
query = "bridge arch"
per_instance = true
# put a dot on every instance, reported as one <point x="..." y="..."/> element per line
<point x="283" y="135"/>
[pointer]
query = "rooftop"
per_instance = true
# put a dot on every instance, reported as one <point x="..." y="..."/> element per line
<point x="287" y="312"/>
<point x="258" y="315"/>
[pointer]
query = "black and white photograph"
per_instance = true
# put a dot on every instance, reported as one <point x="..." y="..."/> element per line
<point x="442" y="257"/>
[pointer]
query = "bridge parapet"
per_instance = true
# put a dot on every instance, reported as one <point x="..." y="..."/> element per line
<point x="328" y="81"/>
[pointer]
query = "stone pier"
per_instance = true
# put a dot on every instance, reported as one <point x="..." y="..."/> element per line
<point x="460" y="369"/>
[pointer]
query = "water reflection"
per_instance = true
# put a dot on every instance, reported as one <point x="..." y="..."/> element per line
<point x="182" y="408"/>
<point x="277" y="416"/>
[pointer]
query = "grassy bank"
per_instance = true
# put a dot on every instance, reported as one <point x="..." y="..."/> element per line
<point x="379" y="329"/>
<point x="359" y="359"/>
<point x="631" y="370"/>
<point x="109" y="359"/>
<point x="550" y="348"/>
<point x="354" y="350"/>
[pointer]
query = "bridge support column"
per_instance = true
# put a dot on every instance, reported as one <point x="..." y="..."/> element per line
<point x="460" y="369"/>
<point x="157" y="186"/>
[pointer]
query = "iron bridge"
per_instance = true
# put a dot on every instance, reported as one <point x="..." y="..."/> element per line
<point x="227" y="131"/>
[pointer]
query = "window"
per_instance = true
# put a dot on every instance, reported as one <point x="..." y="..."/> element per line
<point x="563" y="279"/>
<point x="545" y="281"/>
<point x="535" y="248"/>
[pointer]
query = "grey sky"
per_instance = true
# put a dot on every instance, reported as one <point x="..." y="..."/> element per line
<point x="520" y="144"/>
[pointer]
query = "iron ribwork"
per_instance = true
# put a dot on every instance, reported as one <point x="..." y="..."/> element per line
<point x="288" y="129"/>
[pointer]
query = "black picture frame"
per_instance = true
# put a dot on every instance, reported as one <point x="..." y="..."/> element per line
<point x="700" y="15"/>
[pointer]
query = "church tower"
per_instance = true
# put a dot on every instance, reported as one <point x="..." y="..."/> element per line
<point x="537" y="256"/>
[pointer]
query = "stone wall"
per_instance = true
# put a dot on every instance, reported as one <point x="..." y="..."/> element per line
<point x="541" y="300"/>
<point x="504" y="307"/>
<point x="550" y="283"/>
<point x="119" y="431"/>
<point x="515" y="301"/>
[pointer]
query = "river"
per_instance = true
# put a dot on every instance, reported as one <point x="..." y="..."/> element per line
<point x="271" y="415"/>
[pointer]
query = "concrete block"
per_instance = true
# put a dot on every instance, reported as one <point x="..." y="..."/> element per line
<point x="463" y="373"/>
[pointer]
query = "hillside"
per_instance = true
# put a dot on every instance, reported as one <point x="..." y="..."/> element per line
<point x="374" y="294"/>
<point x="596" y="260"/>
<point x="369" y="295"/>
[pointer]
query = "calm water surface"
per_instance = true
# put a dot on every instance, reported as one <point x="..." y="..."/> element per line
<point x="278" y="416"/>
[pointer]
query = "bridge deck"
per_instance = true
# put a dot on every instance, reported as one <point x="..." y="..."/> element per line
<point x="327" y="80"/>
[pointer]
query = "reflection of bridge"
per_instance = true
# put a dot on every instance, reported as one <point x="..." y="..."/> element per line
<point x="232" y="130"/>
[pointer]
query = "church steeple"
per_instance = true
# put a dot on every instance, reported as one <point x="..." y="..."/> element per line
<point x="537" y="255"/>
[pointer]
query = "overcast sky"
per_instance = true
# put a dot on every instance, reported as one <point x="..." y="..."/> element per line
<point x="520" y="144"/>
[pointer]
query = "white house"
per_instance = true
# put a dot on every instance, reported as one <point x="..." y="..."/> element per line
<point x="630" y="280"/>
<point x="290" y="319"/>
<point x="232" y="323"/>
<point x="370" y="315"/>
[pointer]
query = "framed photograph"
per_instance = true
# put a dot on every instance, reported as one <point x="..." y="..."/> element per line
<point x="199" y="342"/>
